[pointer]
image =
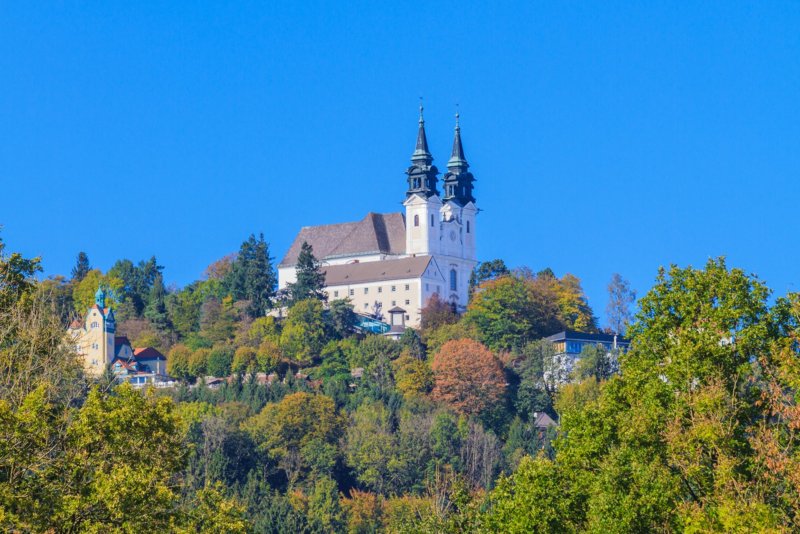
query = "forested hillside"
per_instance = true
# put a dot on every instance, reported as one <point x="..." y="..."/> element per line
<point x="692" y="430"/>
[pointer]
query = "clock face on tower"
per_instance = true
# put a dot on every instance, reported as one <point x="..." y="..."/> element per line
<point x="452" y="235"/>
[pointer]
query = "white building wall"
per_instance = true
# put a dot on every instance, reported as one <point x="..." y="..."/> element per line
<point x="422" y="225"/>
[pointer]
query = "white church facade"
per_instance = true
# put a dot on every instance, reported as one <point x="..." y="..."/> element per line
<point x="400" y="260"/>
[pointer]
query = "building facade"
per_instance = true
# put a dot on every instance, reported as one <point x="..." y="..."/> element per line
<point x="401" y="260"/>
<point x="100" y="348"/>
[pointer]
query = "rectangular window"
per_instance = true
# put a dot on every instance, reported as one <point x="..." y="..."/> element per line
<point x="394" y="303"/>
<point x="431" y="220"/>
<point x="408" y="286"/>
<point x="467" y="226"/>
<point x="394" y="288"/>
<point x="366" y="305"/>
<point x="366" y="290"/>
<point x="427" y="286"/>
<point x="335" y="294"/>
<point x="408" y="302"/>
<point x="380" y="289"/>
<point x="352" y="292"/>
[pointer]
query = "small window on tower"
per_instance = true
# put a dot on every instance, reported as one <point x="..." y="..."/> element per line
<point x="416" y="220"/>
<point x="453" y="280"/>
<point x="431" y="220"/>
<point x="467" y="226"/>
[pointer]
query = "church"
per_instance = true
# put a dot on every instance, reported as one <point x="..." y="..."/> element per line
<point x="395" y="262"/>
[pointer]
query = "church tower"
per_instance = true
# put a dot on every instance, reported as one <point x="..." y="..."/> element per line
<point x="422" y="201"/>
<point x="457" y="249"/>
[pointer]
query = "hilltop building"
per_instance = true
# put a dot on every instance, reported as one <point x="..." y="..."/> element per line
<point x="100" y="348"/>
<point x="569" y="344"/>
<point x="400" y="260"/>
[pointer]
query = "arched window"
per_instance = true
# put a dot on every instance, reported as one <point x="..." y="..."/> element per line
<point x="416" y="220"/>
<point x="467" y="226"/>
<point x="453" y="280"/>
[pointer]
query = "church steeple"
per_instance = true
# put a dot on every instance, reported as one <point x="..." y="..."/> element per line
<point x="457" y="159"/>
<point x="421" y="152"/>
<point x="422" y="178"/>
<point x="458" y="180"/>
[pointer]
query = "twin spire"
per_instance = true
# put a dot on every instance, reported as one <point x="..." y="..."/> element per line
<point x="422" y="174"/>
<point x="422" y="154"/>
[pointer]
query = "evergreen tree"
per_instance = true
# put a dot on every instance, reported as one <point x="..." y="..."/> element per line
<point x="156" y="311"/>
<point x="252" y="276"/>
<point x="81" y="268"/>
<point x="259" y="281"/>
<point x="310" y="279"/>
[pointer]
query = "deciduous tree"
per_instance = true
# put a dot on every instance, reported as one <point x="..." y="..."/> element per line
<point x="467" y="376"/>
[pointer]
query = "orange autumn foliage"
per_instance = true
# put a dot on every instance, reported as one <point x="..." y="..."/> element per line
<point x="468" y="376"/>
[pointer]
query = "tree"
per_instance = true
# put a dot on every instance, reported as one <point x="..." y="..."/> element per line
<point x="303" y="334"/>
<point x="220" y="360"/>
<point x="511" y="311"/>
<point x="310" y="278"/>
<point x="685" y="437"/>
<point x="245" y="359"/>
<point x="83" y="293"/>
<point x="486" y="270"/>
<point x="413" y="376"/>
<point x="467" y="376"/>
<point x="436" y="313"/>
<point x="81" y="268"/>
<point x="596" y="361"/>
<point x="574" y="309"/>
<point x="371" y="449"/>
<point x="82" y="472"/>
<point x="178" y="361"/>
<point x="342" y="317"/>
<point x="620" y="299"/>
<point x="156" y="310"/>
<point x="251" y="276"/>
<point x="298" y="432"/>
<point x="16" y="275"/>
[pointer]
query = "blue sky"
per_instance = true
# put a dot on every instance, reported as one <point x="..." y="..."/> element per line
<point x="605" y="137"/>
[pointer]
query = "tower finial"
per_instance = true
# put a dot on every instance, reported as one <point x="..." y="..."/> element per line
<point x="421" y="108"/>
<point x="458" y="127"/>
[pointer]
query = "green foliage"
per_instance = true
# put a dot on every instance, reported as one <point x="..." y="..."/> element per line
<point x="219" y="361"/>
<point x="510" y="311"/>
<point x="342" y="317"/>
<point x="310" y="278"/>
<point x="251" y="276"/>
<point x="136" y="282"/>
<point x="82" y="267"/>
<point x="16" y="275"/>
<point x="303" y="334"/>
<point x="83" y="293"/>
<point x="156" y="309"/>
<point x="299" y="433"/>
<point x="485" y="271"/>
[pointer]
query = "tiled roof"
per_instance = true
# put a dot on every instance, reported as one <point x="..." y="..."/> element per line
<point x="377" y="233"/>
<point x="147" y="353"/>
<point x="375" y="271"/>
